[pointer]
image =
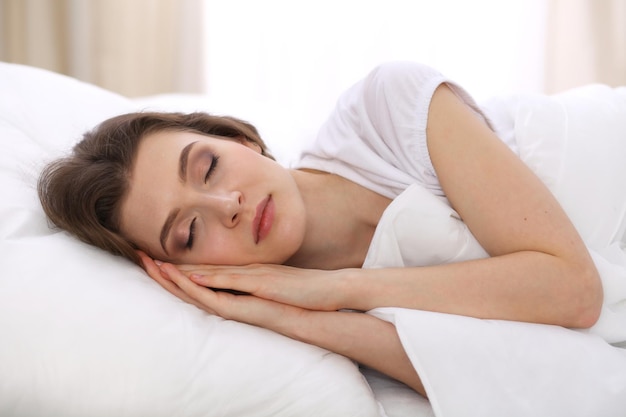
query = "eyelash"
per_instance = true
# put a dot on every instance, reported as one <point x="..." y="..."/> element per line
<point x="192" y="226"/>
<point x="212" y="167"/>
<point x="192" y="232"/>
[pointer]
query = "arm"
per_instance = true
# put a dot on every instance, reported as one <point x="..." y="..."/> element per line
<point x="361" y="337"/>
<point x="539" y="270"/>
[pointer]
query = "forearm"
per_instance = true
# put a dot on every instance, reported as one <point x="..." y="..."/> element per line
<point x="540" y="269"/>
<point x="366" y="339"/>
<point x="522" y="286"/>
<point x="361" y="337"/>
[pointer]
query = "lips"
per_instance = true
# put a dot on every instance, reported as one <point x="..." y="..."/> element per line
<point x="263" y="219"/>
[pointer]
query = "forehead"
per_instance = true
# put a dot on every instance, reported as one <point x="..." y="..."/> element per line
<point x="161" y="151"/>
<point x="168" y="141"/>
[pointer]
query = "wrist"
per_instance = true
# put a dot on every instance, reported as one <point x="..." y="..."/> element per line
<point x="352" y="289"/>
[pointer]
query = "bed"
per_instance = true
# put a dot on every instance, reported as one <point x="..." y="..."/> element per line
<point x="88" y="334"/>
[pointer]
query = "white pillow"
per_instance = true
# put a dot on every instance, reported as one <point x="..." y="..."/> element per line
<point x="85" y="333"/>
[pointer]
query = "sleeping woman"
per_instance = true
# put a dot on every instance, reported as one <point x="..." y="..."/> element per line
<point x="199" y="202"/>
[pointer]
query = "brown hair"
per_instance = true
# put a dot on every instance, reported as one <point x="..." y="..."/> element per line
<point x="82" y="193"/>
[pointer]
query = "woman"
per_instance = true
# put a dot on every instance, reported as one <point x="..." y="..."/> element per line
<point x="208" y="209"/>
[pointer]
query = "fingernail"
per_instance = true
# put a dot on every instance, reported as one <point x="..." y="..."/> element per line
<point x="159" y="263"/>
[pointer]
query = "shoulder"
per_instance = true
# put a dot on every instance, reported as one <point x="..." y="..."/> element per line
<point x="401" y="79"/>
<point x="378" y="129"/>
<point x="397" y="93"/>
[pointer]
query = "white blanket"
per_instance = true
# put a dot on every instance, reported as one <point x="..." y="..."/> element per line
<point x="88" y="334"/>
<point x="576" y="142"/>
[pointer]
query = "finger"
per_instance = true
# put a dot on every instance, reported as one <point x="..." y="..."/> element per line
<point x="242" y="269"/>
<point x="191" y="267"/>
<point x="198" y="270"/>
<point x="203" y="280"/>
<point x="204" y="267"/>
<point x="245" y="308"/>
<point x="201" y="295"/>
<point x="143" y="257"/>
<point x="152" y="267"/>
<point x="157" y="274"/>
<point x="240" y="280"/>
<point x="190" y="270"/>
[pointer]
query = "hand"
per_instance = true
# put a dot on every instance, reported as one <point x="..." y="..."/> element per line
<point x="305" y="288"/>
<point x="154" y="271"/>
<point x="247" y="309"/>
<point x="361" y="337"/>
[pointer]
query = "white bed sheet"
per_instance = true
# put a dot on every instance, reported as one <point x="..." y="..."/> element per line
<point x="576" y="143"/>
<point x="285" y="141"/>
<point x="86" y="334"/>
<point x="449" y="374"/>
<point x="525" y="369"/>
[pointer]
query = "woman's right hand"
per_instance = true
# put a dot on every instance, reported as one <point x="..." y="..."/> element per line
<point x="244" y="308"/>
<point x="361" y="337"/>
<point x="310" y="289"/>
<point x="154" y="271"/>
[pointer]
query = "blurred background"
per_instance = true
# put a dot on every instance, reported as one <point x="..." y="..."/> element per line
<point x="304" y="53"/>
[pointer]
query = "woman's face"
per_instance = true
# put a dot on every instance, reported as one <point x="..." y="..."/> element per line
<point x="201" y="199"/>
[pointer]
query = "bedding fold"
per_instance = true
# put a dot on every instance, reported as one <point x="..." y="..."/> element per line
<point x="492" y="368"/>
<point x="502" y="368"/>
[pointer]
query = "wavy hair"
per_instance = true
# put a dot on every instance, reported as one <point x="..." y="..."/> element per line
<point x="82" y="193"/>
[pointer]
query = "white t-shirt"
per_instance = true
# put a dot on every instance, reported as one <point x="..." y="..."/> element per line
<point x="376" y="136"/>
<point x="574" y="142"/>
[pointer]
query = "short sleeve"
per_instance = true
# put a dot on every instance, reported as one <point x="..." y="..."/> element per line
<point x="376" y="135"/>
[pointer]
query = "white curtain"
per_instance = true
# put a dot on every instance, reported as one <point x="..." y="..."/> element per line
<point x="303" y="54"/>
<point x="586" y="43"/>
<point x="136" y="47"/>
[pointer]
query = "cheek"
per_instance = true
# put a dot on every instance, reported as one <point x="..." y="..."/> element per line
<point x="222" y="248"/>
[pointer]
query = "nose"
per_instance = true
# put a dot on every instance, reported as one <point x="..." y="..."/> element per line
<point x="226" y="206"/>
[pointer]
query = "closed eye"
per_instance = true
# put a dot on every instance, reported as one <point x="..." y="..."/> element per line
<point x="214" y="160"/>
<point x="192" y="232"/>
<point x="192" y="226"/>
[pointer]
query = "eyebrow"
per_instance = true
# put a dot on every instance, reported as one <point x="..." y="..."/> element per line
<point x="182" y="173"/>
<point x="182" y="161"/>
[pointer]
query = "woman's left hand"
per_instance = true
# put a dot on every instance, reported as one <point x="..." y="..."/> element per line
<point x="310" y="289"/>
<point x="361" y="337"/>
<point x="279" y="317"/>
<point x="306" y="288"/>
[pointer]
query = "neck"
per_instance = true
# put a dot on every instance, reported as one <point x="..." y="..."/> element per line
<point x="341" y="219"/>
